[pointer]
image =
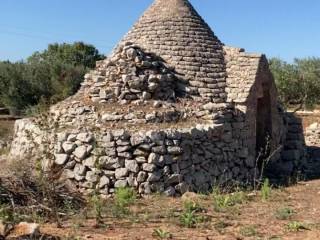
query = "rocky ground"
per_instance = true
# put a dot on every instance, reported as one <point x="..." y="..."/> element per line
<point x="289" y="213"/>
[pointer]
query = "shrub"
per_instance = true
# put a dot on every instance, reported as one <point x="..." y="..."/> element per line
<point x="222" y="201"/>
<point x="248" y="231"/>
<point x="295" y="226"/>
<point x="284" y="213"/>
<point x="265" y="190"/>
<point x="122" y="199"/>
<point x="96" y="203"/>
<point x="161" y="234"/>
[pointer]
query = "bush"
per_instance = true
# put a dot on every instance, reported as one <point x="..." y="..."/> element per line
<point x="49" y="76"/>
<point x="123" y="198"/>
<point x="298" y="83"/>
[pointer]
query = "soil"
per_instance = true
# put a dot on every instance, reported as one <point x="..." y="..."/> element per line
<point x="253" y="219"/>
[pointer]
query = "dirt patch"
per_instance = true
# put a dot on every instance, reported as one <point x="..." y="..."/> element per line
<point x="251" y="219"/>
<point x="6" y="128"/>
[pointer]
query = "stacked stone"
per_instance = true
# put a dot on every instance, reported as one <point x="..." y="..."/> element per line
<point x="171" y="161"/>
<point x="294" y="150"/>
<point x="173" y="30"/>
<point x="313" y="135"/>
<point x="73" y="113"/>
<point x="131" y="74"/>
<point x="242" y="70"/>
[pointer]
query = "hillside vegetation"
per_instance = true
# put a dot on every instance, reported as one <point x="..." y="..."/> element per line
<point x="45" y="77"/>
<point x="298" y="83"/>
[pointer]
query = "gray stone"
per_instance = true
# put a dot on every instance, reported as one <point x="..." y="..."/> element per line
<point x="80" y="152"/>
<point x="146" y="96"/>
<point x="122" y="149"/>
<point x="170" y="191"/>
<point x="61" y="159"/>
<point x="141" y="159"/>
<point x="121" y="183"/>
<point x="104" y="181"/>
<point x="63" y="136"/>
<point x="72" y="138"/>
<point x="121" y="173"/>
<point x="153" y="158"/>
<point x="154" y="176"/>
<point x="68" y="173"/>
<point x="136" y="140"/>
<point x="89" y="162"/>
<point x="92" y="177"/>
<point x="174" y="179"/>
<point x="69" y="147"/>
<point x="85" y="137"/>
<point x="175" y="150"/>
<point x="182" y="188"/>
<point x="70" y="164"/>
<point x="159" y="149"/>
<point x="113" y="163"/>
<point x="148" y="167"/>
<point x="79" y="170"/>
<point x="141" y="177"/>
<point x="111" y="117"/>
<point x="132" y="166"/>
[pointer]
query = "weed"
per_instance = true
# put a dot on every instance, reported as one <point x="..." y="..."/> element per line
<point x="274" y="238"/>
<point x="295" y="226"/>
<point x="222" y="201"/>
<point x="249" y="231"/>
<point x="284" y="213"/>
<point x="189" y="217"/>
<point x="265" y="190"/>
<point x="190" y="206"/>
<point x="7" y="214"/>
<point x="122" y="199"/>
<point x="161" y="234"/>
<point x="96" y="203"/>
<point x="125" y="196"/>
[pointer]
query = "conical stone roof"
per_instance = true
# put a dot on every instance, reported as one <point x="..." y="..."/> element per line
<point x="174" y="31"/>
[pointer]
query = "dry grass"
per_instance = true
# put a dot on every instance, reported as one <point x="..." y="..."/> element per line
<point x="251" y="219"/>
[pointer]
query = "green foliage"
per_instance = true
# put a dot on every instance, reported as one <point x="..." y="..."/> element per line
<point x="189" y="217"/>
<point x="47" y="76"/>
<point x="191" y="206"/>
<point x="223" y="201"/>
<point x="7" y="214"/>
<point x="265" y="190"/>
<point x="249" y="231"/>
<point x="284" y="213"/>
<point x="161" y="234"/>
<point x="123" y="198"/>
<point x="295" y="226"/>
<point x="96" y="204"/>
<point x="299" y="82"/>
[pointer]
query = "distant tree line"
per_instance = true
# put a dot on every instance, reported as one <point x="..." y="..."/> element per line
<point x="46" y="77"/>
<point x="298" y="83"/>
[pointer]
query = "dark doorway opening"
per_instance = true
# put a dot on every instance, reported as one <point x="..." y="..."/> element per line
<point x="263" y="127"/>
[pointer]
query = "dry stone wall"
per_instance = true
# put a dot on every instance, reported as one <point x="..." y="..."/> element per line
<point x="172" y="161"/>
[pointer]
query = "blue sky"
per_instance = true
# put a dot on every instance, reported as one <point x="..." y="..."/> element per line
<point x="279" y="28"/>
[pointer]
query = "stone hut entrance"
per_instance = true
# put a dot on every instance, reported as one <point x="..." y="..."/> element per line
<point x="263" y="124"/>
